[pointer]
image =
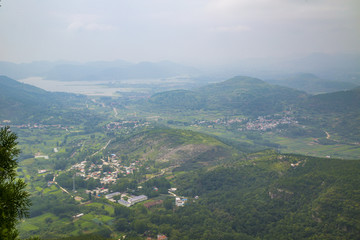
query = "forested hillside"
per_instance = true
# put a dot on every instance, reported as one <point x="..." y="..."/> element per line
<point x="239" y="95"/>
<point x="270" y="196"/>
<point x="24" y="104"/>
<point x="338" y="111"/>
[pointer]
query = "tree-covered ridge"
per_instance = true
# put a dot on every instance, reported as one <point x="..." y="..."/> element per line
<point x="178" y="99"/>
<point x="250" y="96"/>
<point x="239" y="95"/>
<point x="19" y="99"/>
<point x="22" y="104"/>
<point x="337" y="102"/>
<point x="338" y="112"/>
<point x="273" y="197"/>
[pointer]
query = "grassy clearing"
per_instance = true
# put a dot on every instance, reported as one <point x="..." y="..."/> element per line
<point x="27" y="162"/>
<point x="107" y="208"/>
<point x="308" y="146"/>
<point x="50" y="189"/>
<point x="27" y="227"/>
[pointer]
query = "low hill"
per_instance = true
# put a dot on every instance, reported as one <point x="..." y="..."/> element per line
<point x="249" y="96"/>
<point x="239" y="95"/>
<point x="170" y="147"/>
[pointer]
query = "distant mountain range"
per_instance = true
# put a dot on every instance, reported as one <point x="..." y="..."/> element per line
<point x="96" y="71"/>
<point x="343" y="68"/>
<point x="311" y="83"/>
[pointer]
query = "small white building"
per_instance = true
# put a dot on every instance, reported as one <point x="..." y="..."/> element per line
<point x="111" y="195"/>
<point x="79" y="215"/>
<point x="180" y="202"/>
<point x="124" y="203"/>
<point x="137" y="199"/>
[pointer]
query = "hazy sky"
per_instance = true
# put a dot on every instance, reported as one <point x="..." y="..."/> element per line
<point x="187" y="31"/>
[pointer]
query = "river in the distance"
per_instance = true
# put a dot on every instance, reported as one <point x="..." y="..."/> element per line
<point x="79" y="87"/>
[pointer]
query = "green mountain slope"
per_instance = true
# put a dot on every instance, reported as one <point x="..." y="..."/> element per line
<point x="338" y="112"/>
<point x="273" y="196"/>
<point x="337" y="102"/>
<point x="239" y="95"/>
<point x="249" y="96"/>
<point x="22" y="103"/>
<point x="177" y="99"/>
<point x="20" y="100"/>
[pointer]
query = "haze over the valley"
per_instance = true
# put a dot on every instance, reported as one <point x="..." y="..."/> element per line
<point x="198" y="33"/>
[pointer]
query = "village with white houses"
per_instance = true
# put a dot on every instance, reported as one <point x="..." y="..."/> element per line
<point x="89" y="170"/>
<point x="261" y="123"/>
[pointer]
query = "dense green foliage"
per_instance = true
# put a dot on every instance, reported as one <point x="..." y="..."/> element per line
<point x="339" y="111"/>
<point x="267" y="198"/>
<point x="178" y="99"/>
<point x="14" y="200"/>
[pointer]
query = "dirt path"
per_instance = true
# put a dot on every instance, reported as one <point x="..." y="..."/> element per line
<point x="327" y="135"/>
<point x="115" y="111"/>
<point x="101" y="149"/>
<point x="63" y="189"/>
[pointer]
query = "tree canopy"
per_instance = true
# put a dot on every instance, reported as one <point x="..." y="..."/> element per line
<point x="14" y="200"/>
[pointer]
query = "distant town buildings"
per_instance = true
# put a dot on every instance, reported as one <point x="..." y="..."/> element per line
<point x="132" y="200"/>
<point x="262" y="123"/>
<point x="161" y="237"/>
<point x="79" y="215"/>
<point x="180" y="202"/>
<point x="153" y="203"/>
<point x="137" y="199"/>
<point x="111" y="195"/>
